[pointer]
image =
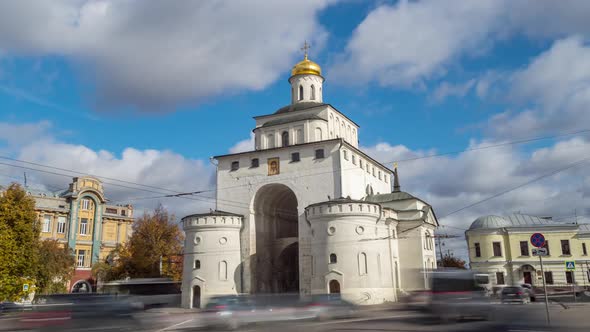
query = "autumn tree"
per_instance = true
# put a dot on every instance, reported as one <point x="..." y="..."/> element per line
<point x="156" y="242"/>
<point x="56" y="269"/>
<point x="451" y="261"/>
<point x="19" y="239"/>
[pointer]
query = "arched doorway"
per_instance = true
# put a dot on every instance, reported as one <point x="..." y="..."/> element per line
<point x="196" y="297"/>
<point x="276" y="264"/>
<point x="334" y="287"/>
<point x="82" y="286"/>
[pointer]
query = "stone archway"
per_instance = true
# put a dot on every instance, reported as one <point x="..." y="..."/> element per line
<point x="82" y="286"/>
<point x="276" y="263"/>
<point x="196" y="297"/>
<point x="334" y="287"/>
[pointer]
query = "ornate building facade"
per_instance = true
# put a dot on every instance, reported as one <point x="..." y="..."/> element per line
<point x="307" y="211"/>
<point x="81" y="218"/>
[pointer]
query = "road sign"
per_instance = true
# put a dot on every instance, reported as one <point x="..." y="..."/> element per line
<point x="538" y="240"/>
<point x="539" y="251"/>
<point x="570" y="265"/>
<point x="25" y="287"/>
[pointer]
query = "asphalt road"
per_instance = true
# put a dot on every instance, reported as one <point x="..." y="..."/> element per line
<point x="513" y="318"/>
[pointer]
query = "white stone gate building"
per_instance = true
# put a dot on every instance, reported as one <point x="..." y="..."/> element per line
<point x="307" y="211"/>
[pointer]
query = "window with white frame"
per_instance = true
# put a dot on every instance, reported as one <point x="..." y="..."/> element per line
<point x="353" y="159"/>
<point x="81" y="262"/>
<point x="46" y="223"/>
<point x="83" y="226"/>
<point x="345" y="154"/>
<point x="86" y="204"/>
<point x="61" y="224"/>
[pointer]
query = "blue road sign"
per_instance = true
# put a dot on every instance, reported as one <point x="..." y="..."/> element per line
<point x="570" y="265"/>
<point x="538" y="240"/>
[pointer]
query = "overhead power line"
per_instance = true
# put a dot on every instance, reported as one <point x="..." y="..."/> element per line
<point x="574" y="164"/>
<point x="521" y="141"/>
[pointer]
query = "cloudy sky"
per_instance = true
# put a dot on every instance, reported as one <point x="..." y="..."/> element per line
<point x="481" y="96"/>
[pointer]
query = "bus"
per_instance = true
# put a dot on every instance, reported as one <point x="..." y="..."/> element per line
<point x="150" y="292"/>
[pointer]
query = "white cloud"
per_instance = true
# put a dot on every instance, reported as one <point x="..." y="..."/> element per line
<point x="446" y="89"/>
<point x="556" y="88"/>
<point x="449" y="183"/>
<point x="409" y="43"/>
<point x="14" y="135"/>
<point x="162" y="169"/>
<point x="156" y="55"/>
<point x="244" y="145"/>
<point x="405" y="44"/>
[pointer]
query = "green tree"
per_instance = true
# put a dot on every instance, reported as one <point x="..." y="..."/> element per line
<point x="56" y="269"/>
<point x="19" y="239"/>
<point x="156" y="241"/>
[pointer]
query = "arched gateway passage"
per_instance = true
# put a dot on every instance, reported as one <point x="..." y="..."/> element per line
<point x="276" y="218"/>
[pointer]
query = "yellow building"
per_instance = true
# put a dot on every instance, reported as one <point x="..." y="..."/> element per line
<point x="501" y="247"/>
<point x="81" y="218"/>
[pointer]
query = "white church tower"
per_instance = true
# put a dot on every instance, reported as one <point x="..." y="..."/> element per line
<point x="316" y="214"/>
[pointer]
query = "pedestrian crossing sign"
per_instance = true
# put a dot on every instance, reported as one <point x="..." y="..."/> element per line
<point x="570" y="265"/>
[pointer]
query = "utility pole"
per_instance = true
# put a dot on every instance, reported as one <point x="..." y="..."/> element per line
<point x="445" y="236"/>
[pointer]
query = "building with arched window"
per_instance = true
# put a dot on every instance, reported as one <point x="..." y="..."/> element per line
<point x="81" y="219"/>
<point x="307" y="211"/>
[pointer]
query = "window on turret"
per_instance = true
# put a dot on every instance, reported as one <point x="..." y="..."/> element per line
<point x="362" y="263"/>
<point x="301" y="92"/>
<point x="333" y="259"/>
<point x="285" y="138"/>
<point x="235" y="165"/>
<point x="197" y="264"/>
<point x="312" y="92"/>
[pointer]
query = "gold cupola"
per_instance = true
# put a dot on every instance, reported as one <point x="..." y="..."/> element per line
<point x="306" y="66"/>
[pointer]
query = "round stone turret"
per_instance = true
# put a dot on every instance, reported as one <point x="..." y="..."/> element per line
<point x="351" y="250"/>
<point x="211" y="256"/>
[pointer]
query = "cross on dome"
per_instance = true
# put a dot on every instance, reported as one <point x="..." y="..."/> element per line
<point x="305" y="47"/>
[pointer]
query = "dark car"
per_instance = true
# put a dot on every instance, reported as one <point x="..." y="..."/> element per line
<point x="529" y="289"/>
<point x="515" y="294"/>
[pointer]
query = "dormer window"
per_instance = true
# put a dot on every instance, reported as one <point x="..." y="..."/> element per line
<point x="301" y="92"/>
<point x="285" y="138"/>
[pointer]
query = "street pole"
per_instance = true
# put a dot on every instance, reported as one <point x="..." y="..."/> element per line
<point x="442" y="263"/>
<point x="545" y="290"/>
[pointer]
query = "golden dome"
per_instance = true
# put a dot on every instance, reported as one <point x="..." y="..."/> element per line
<point x="306" y="67"/>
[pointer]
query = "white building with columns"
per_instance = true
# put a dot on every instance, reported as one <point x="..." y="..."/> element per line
<point x="307" y="211"/>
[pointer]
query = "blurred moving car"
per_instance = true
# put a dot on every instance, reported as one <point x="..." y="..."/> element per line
<point x="330" y="306"/>
<point x="7" y="307"/>
<point x="528" y="288"/>
<point x="78" y="311"/>
<point x="515" y="294"/>
<point x="233" y="311"/>
<point x="456" y="294"/>
<point x="150" y="292"/>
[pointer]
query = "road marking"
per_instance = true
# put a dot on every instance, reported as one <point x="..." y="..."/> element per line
<point x="353" y="320"/>
<point x="175" y="325"/>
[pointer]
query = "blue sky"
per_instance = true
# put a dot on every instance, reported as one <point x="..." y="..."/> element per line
<point x="133" y="90"/>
